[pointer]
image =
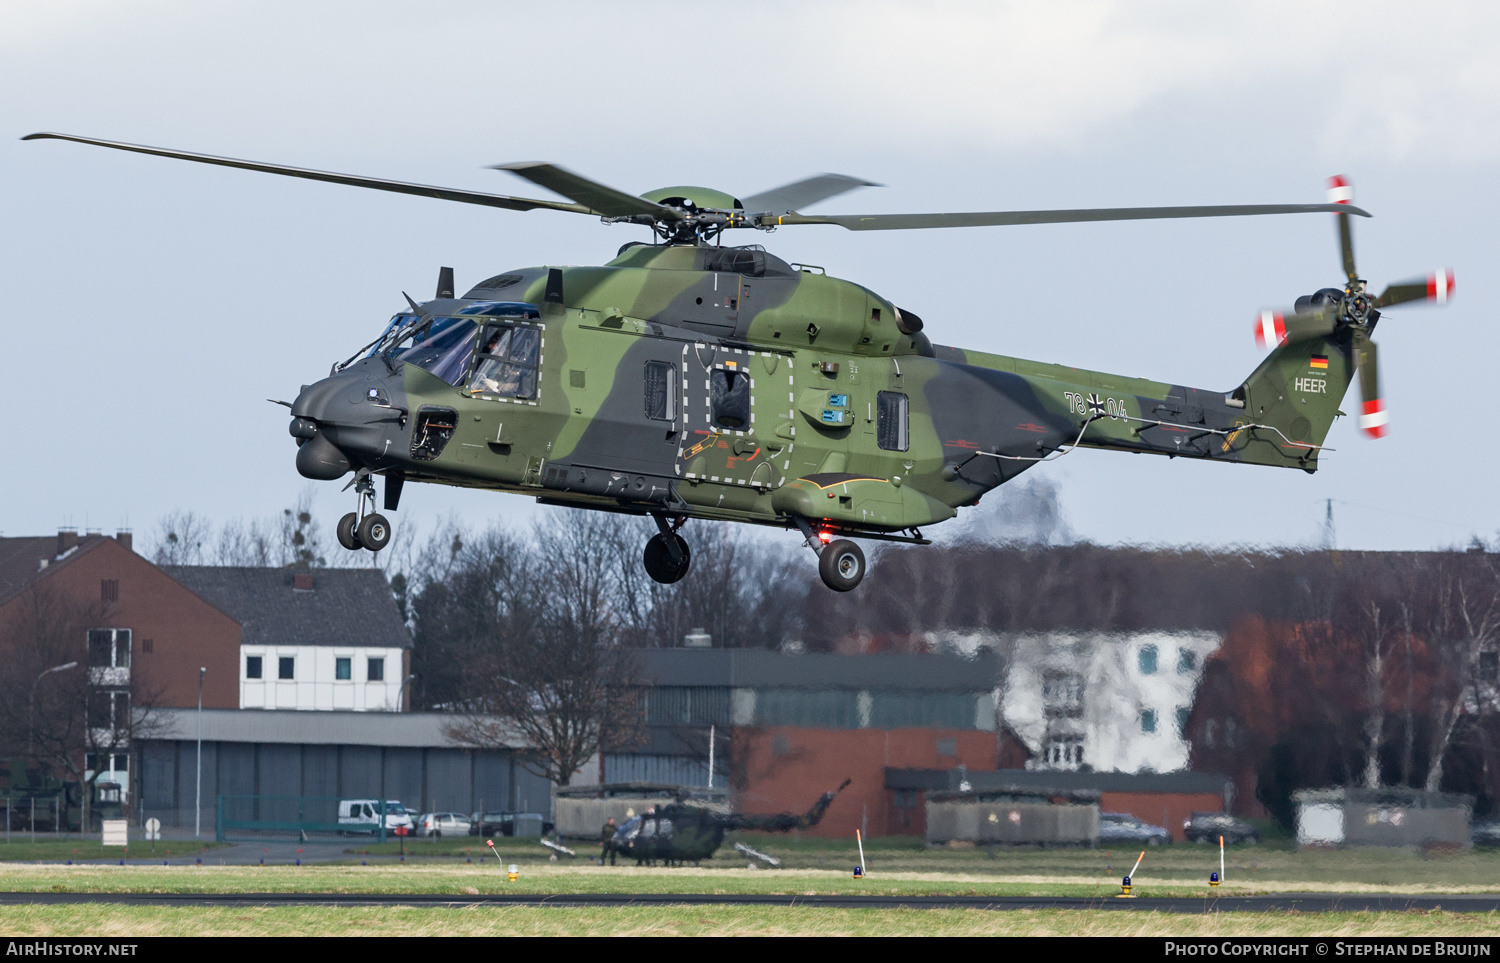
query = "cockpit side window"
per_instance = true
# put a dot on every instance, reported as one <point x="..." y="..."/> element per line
<point x="508" y="362"/>
<point x="442" y="348"/>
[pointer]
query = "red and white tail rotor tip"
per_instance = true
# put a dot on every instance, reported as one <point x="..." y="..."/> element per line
<point x="1373" y="418"/>
<point x="1270" y="330"/>
<point x="1340" y="191"/>
<point x="1440" y="285"/>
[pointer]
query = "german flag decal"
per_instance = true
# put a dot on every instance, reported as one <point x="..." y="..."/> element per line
<point x="1319" y="361"/>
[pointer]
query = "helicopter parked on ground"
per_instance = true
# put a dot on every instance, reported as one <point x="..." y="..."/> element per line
<point x="681" y="832"/>
<point x="689" y="379"/>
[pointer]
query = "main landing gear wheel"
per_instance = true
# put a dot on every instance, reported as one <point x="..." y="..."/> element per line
<point x="841" y="564"/>
<point x="660" y="564"/>
<point x="374" y="532"/>
<point x="347" y="532"/>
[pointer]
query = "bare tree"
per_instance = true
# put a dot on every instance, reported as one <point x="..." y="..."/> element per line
<point x="67" y="692"/>
<point x="1468" y="622"/>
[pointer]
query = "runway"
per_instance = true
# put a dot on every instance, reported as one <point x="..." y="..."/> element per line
<point x="1270" y="903"/>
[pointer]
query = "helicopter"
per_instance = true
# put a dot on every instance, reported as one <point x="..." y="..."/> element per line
<point x="690" y="379"/>
<point x="680" y="832"/>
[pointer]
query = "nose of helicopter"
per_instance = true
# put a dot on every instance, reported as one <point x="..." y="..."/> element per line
<point x="347" y="421"/>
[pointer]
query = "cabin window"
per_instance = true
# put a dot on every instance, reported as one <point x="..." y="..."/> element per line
<point x="661" y="391"/>
<point x="890" y="420"/>
<point x="508" y="362"/>
<point x="729" y="398"/>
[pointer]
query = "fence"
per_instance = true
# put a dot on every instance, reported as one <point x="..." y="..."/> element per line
<point x="34" y="814"/>
<point x="302" y="818"/>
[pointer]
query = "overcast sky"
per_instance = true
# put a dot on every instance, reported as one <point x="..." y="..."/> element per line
<point x="155" y="304"/>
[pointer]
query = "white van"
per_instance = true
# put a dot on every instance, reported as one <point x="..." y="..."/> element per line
<point x="363" y="816"/>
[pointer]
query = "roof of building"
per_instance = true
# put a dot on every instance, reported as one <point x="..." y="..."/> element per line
<point x="23" y="559"/>
<point x="344" y="606"/>
<point x="1052" y="780"/>
<point x="759" y="668"/>
<point x="336" y="728"/>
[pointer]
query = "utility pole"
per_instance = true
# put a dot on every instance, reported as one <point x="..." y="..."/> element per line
<point x="1330" y="541"/>
<point x="198" y="795"/>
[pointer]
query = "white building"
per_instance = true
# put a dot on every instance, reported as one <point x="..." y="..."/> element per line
<point x="1106" y="701"/>
<point x="318" y="640"/>
<point x="1116" y="702"/>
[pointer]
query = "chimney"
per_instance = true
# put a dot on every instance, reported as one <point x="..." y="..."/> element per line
<point x="123" y="536"/>
<point x="302" y="582"/>
<point x="67" y="540"/>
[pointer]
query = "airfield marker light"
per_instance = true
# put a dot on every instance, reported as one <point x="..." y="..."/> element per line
<point x="859" y="871"/>
<point x="1213" y="879"/>
<point x="1125" y="883"/>
<point x="511" y="873"/>
<point x="1221" y="857"/>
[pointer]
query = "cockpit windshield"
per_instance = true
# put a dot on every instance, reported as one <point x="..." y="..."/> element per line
<point x="440" y="346"/>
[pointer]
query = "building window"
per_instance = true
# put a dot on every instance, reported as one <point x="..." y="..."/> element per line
<point x="252" y="667"/>
<point x="375" y="670"/>
<point x="1182" y="720"/>
<point x="661" y="391"/>
<point x="1187" y="662"/>
<point x="890" y="420"/>
<point x="947" y="746"/>
<point x="109" y="590"/>
<point x="286" y="667"/>
<point x="121" y="762"/>
<point x="1148" y="720"/>
<point x="1147" y="660"/>
<point x="1062" y="694"/>
<point x="109" y="648"/>
<point x="341" y="669"/>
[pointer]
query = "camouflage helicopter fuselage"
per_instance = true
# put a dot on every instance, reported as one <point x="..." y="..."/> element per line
<point x="687" y="380"/>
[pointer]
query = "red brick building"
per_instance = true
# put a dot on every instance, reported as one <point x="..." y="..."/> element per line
<point x="171" y="631"/>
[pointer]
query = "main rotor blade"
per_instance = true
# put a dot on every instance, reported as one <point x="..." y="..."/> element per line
<point x="1372" y="415"/>
<point x="803" y="193"/>
<point x="1437" y="287"/>
<point x="352" y="180"/>
<point x="1273" y="327"/>
<point x="905" y="222"/>
<point x="597" y="197"/>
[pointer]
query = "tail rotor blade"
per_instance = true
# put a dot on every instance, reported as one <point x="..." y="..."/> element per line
<point x="1436" y="287"/>
<point x="1372" y="415"/>
<point x="1340" y="191"/>
<point x="1274" y="327"/>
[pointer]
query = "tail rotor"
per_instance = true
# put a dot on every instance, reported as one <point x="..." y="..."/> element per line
<point x="1349" y="315"/>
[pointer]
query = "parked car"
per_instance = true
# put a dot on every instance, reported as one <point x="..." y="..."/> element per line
<point x="442" y="824"/>
<point x="1125" y="828"/>
<point x="1207" y="827"/>
<point x="1485" y="834"/>
<point x="363" y="816"/>
<point x="509" y="824"/>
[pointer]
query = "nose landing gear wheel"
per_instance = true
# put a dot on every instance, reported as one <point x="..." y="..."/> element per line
<point x="841" y="565"/>
<point x="348" y="535"/>
<point x="374" y="532"/>
<point x="660" y="564"/>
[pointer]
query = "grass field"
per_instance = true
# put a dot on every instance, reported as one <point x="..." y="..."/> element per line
<point x="811" y="866"/>
<point x="127" y="921"/>
<point x="84" y="847"/>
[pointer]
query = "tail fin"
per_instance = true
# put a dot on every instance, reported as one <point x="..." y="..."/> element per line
<point x="1294" y="395"/>
<point x="783" y="822"/>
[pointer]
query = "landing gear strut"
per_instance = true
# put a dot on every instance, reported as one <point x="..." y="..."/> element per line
<point x="667" y="556"/>
<point x="841" y="562"/>
<point x="364" y="528"/>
